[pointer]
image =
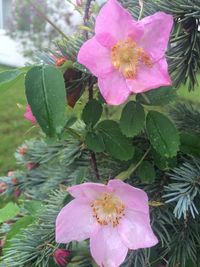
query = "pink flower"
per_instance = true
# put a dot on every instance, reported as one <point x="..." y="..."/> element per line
<point x="28" y="115"/>
<point x="115" y="217"/>
<point x="61" y="256"/>
<point x="127" y="56"/>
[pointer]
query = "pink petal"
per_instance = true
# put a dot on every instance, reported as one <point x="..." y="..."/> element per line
<point x="106" y="247"/>
<point x="106" y="39"/>
<point x="74" y="222"/>
<point x="150" y="78"/>
<point x="116" y="20"/>
<point x="157" y="30"/>
<point x="135" y="230"/>
<point x="113" y="88"/>
<point x="28" y="115"/>
<point x="89" y="191"/>
<point x="96" y="58"/>
<point x="131" y="197"/>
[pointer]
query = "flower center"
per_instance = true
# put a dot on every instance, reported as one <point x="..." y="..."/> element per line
<point x="108" y="209"/>
<point x="127" y="57"/>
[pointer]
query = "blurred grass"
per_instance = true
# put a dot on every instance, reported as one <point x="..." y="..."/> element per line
<point x="13" y="126"/>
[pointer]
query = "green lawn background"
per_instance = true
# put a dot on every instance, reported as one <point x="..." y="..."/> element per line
<point x="14" y="129"/>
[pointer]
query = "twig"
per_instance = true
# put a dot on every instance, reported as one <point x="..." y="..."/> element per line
<point x="87" y="16"/>
<point x="94" y="165"/>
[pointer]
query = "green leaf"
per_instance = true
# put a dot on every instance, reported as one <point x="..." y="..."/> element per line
<point x="163" y="163"/>
<point x="146" y="172"/>
<point x="162" y="134"/>
<point x="92" y="112"/>
<point x="115" y="142"/>
<point x="33" y="206"/>
<point x="8" y="212"/>
<point x="45" y="92"/>
<point x="157" y="97"/>
<point x="16" y="228"/>
<point x="9" y="77"/>
<point x="132" y="119"/>
<point x="94" y="142"/>
<point x="190" y="144"/>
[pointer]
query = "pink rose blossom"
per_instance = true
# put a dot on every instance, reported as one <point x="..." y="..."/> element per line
<point x="127" y="56"/>
<point x="115" y="217"/>
<point x="28" y="115"/>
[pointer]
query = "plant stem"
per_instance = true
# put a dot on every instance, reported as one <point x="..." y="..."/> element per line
<point x="42" y="15"/>
<point x="94" y="165"/>
<point x="87" y="16"/>
<point x="125" y="174"/>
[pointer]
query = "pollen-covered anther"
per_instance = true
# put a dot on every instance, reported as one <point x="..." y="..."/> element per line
<point x="108" y="209"/>
<point x="127" y="57"/>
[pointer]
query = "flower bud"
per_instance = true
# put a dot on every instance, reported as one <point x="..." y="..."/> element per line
<point x="22" y="150"/>
<point x="61" y="256"/>
<point x="30" y="166"/>
<point x="17" y="193"/>
<point x="60" y="61"/>
<point x="29" y="115"/>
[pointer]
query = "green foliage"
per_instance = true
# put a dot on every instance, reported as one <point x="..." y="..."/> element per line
<point x="8" y="77"/>
<point x="45" y="92"/>
<point x="92" y="112"/>
<point x="186" y="117"/>
<point x="23" y="249"/>
<point x="185" y="66"/>
<point x="8" y="212"/>
<point x="94" y="141"/>
<point x="146" y="172"/>
<point x="190" y="144"/>
<point x="115" y="143"/>
<point x="157" y="97"/>
<point x="121" y="149"/>
<point x="17" y="228"/>
<point x="184" y="190"/>
<point x="132" y="119"/>
<point x="162" y="134"/>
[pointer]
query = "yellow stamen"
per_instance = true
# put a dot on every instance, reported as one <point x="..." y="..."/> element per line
<point x="127" y="57"/>
<point x="108" y="209"/>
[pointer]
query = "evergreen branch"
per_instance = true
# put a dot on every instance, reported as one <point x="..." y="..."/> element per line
<point x="186" y="117"/>
<point x="185" y="189"/>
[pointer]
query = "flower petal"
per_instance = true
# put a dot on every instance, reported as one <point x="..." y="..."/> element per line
<point x="113" y="88"/>
<point x="135" y="230"/>
<point x="89" y="191"/>
<point x="157" y="30"/>
<point x="74" y="222"/>
<point x="131" y="197"/>
<point x="106" y="247"/>
<point x="29" y="115"/>
<point x="95" y="57"/>
<point x="116" y="20"/>
<point x="150" y="78"/>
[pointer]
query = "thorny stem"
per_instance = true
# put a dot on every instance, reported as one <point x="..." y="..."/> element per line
<point x="42" y="15"/>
